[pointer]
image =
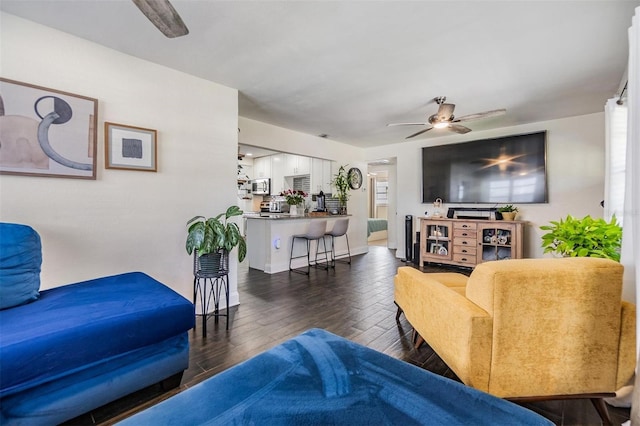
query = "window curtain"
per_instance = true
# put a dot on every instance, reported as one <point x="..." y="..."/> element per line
<point x="616" y="154"/>
<point x="630" y="254"/>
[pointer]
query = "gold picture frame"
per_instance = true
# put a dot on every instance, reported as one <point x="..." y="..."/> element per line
<point x="130" y="148"/>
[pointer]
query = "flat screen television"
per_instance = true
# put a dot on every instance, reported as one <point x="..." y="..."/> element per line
<point x="509" y="169"/>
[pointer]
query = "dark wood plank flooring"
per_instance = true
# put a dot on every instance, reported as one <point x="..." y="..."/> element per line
<point x="354" y="301"/>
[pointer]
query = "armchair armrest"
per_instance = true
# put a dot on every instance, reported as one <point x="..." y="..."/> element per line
<point x="627" y="353"/>
<point x="456" y="328"/>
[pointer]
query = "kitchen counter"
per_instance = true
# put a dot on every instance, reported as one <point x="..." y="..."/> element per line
<point x="272" y="216"/>
<point x="269" y="240"/>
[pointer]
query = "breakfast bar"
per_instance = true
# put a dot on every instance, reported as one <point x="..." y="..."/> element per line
<point x="269" y="239"/>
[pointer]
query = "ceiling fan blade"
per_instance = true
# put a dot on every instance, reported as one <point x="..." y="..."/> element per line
<point x="419" y="133"/>
<point x="406" y="124"/>
<point x="479" y="115"/>
<point x="458" y="128"/>
<point x="445" y="111"/>
<point x="162" y="14"/>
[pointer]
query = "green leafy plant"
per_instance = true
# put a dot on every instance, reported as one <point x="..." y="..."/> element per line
<point x="213" y="234"/>
<point x="341" y="183"/>
<point x="507" y="208"/>
<point x="586" y="237"/>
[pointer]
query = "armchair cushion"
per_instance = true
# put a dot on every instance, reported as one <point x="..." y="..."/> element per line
<point x="20" y="262"/>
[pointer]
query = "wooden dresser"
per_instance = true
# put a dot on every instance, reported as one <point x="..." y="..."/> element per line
<point x="468" y="242"/>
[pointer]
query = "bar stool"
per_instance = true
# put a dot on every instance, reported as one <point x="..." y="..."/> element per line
<point x="339" y="229"/>
<point x="316" y="231"/>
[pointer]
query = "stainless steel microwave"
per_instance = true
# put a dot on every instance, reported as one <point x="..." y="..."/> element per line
<point x="261" y="186"/>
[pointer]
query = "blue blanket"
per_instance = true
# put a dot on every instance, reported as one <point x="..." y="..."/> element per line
<point x="318" y="378"/>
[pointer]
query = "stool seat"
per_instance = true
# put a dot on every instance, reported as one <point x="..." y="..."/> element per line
<point x="315" y="232"/>
<point x="339" y="229"/>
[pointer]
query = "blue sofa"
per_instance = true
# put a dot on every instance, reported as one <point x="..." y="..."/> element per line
<point x="70" y="349"/>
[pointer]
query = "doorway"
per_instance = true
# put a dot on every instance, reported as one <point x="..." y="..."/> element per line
<point x="381" y="203"/>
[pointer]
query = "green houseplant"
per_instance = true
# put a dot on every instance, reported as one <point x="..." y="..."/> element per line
<point x="508" y="212"/>
<point x="586" y="237"/>
<point x="215" y="234"/>
<point x="341" y="183"/>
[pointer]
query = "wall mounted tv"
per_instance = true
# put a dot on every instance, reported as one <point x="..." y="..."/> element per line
<point x="509" y="169"/>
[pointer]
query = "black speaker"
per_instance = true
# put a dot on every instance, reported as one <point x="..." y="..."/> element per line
<point x="408" y="237"/>
<point x="416" y="250"/>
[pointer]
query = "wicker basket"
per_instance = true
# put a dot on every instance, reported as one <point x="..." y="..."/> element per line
<point x="211" y="265"/>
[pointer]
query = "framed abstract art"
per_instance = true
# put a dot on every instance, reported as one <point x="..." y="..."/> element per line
<point x="46" y="132"/>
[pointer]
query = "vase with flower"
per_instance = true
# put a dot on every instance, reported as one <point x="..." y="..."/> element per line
<point x="294" y="198"/>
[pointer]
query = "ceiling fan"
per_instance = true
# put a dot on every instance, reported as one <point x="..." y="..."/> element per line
<point x="162" y="14"/>
<point x="444" y="118"/>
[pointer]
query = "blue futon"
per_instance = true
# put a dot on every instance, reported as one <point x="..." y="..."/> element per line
<point x="318" y="378"/>
<point x="70" y="349"/>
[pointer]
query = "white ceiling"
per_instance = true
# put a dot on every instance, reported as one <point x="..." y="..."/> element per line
<point x="346" y="68"/>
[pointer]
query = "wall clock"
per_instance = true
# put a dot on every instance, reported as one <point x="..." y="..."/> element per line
<point x="355" y="178"/>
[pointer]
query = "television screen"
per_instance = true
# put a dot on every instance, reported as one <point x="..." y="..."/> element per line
<point x="509" y="169"/>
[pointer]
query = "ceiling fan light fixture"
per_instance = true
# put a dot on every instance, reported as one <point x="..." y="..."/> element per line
<point x="441" y="125"/>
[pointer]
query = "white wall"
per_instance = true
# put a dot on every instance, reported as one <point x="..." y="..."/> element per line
<point x="124" y="220"/>
<point x="264" y="135"/>
<point x="575" y="174"/>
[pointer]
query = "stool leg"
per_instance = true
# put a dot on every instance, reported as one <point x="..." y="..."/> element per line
<point x="333" y="251"/>
<point x="308" y="256"/>
<point x="293" y="243"/>
<point x="324" y="245"/>
<point x="348" y="249"/>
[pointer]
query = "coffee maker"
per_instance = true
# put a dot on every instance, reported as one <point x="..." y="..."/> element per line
<point x="320" y="202"/>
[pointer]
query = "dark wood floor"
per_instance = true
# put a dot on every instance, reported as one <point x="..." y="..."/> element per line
<point x="354" y="301"/>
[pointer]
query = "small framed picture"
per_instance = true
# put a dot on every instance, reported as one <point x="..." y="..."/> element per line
<point x="130" y="148"/>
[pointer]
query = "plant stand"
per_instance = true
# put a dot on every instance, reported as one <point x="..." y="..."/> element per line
<point x="210" y="283"/>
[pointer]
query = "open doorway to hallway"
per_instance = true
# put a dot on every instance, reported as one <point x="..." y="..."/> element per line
<point x="381" y="203"/>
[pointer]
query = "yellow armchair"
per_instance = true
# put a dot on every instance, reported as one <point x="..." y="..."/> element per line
<point x="527" y="329"/>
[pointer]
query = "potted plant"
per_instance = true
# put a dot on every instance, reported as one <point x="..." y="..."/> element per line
<point x="508" y="212"/>
<point x="586" y="237"/>
<point x="341" y="183"/>
<point x="213" y="238"/>
<point x="294" y="198"/>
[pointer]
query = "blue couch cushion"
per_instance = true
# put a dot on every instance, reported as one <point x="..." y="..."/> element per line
<point x="318" y="378"/>
<point x="20" y="262"/>
<point x="75" y="326"/>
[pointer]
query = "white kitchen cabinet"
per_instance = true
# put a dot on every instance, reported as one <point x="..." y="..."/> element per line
<point x="320" y="175"/>
<point x="296" y="165"/>
<point x="277" y="173"/>
<point x="262" y="167"/>
<point x="327" y="175"/>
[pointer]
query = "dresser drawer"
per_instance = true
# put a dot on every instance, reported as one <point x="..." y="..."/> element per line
<point x="464" y="258"/>
<point x="465" y="242"/>
<point x="464" y="233"/>
<point x="468" y="250"/>
<point x="465" y="225"/>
